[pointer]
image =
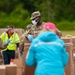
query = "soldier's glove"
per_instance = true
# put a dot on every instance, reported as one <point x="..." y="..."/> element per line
<point x="30" y="37"/>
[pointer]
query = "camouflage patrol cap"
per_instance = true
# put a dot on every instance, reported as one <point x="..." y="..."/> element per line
<point x="35" y="14"/>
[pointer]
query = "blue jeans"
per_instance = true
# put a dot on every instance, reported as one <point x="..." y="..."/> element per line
<point x="7" y="55"/>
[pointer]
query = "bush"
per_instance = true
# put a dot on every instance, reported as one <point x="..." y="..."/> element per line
<point x="66" y="25"/>
<point x="19" y="18"/>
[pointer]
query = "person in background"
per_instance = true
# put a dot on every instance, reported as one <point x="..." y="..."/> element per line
<point x="22" y="38"/>
<point x="11" y="41"/>
<point x="38" y="24"/>
<point x="47" y="52"/>
<point x="34" y="30"/>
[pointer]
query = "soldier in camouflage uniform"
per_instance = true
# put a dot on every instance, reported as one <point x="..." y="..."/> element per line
<point x="37" y="25"/>
<point x="34" y="30"/>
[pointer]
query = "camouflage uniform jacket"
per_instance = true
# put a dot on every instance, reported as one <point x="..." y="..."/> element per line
<point x="35" y="30"/>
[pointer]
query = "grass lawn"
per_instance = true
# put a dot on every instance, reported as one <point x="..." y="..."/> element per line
<point x="64" y="33"/>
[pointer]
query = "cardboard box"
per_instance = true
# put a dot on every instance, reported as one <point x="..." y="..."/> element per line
<point x="73" y="41"/>
<point x="2" y="70"/>
<point x="67" y="39"/>
<point x="18" y="62"/>
<point x="19" y="71"/>
<point x="74" y="59"/>
<point x="69" y="69"/>
<point x="11" y="69"/>
<point x="27" y="70"/>
<point x="73" y="54"/>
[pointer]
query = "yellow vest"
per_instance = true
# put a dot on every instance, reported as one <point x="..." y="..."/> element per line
<point x="13" y="40"/>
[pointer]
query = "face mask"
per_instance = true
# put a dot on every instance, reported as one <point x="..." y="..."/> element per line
<point x="34" y="22"/>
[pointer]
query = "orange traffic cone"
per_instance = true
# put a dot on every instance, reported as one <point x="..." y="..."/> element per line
<point x="11" y="61"/>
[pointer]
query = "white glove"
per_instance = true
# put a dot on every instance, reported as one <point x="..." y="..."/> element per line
<point x="30" y="37"/>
